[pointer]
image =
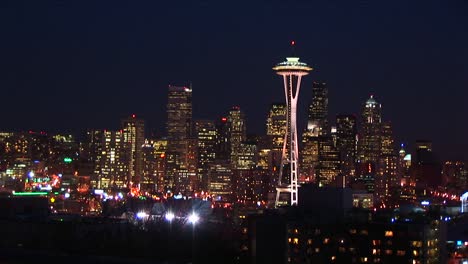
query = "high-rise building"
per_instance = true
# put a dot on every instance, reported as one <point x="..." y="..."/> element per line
<point x="426" y="169"/>
<point x="179" y="124"/>
<point x="328" y="165"/>
<point x="369" y="147"/>
<point x="276" y="125"/>
<point x="205" y="132"/>
<point x="223" y="140"/>
<point x="149" y="171"/>
<point x="309" y="158"/>
<point x="111" y="165"/>
<point x="386" y="138"/>
<point x="346" y="144"/>
<point x="237" y="133"/>
<point x="179" y="117"/>
<point x="318" y="110"/>
<point x="133" y="131"/>
<point x="220" y="180"/>
<point x="292" y="72"/>
<point x="455" y="174"/>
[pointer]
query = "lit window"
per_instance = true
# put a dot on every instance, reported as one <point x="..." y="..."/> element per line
<point x="388" y="251"/>
<point x="388" y="233"/>
<point x="326" y="240"/>
<point x="401" y="252"/>
<point x="415" y="253"/>
<point x="309" y="241"/>
<point x="296" y="241"/>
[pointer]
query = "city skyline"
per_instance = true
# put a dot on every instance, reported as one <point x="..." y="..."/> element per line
<point x="74" y="78"/>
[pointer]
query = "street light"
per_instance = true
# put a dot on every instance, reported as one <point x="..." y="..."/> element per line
<point x="193" y="218"/>
<point x="169" y="216"/>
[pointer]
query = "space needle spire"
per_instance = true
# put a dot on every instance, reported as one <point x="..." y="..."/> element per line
<point x="292" y="71"/>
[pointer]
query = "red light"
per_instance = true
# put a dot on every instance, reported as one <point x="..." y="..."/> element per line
<point x="133" y="116"/>
<point x="162" y="155"/>
<point x="293" y="43"/>
<point x="224" y="119"/>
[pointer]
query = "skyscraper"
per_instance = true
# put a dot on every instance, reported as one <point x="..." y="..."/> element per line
<point x="346" y="132"/>
<point x="133" y="131"/>
<point x="237" y="133"/>
<point x="206" y="135"/>
<point x="328" y="165"/>
<point x="111" y="166"/>
<point x="276" y="125"/>
<point x="318" y="110"/>
<point x="292" y="71"/>
<point x="370" y="137"/>
<point x="179" y="123"/>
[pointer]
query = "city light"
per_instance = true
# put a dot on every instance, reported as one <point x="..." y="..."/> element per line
<point x="193" y="218"/>
<point x="141" y="215"/>
<point x="169" y="216"/>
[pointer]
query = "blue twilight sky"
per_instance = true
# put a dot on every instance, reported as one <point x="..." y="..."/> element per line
<point x="71" y="65"/>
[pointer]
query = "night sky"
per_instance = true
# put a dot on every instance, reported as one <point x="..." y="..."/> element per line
<point x="71" y="65"/>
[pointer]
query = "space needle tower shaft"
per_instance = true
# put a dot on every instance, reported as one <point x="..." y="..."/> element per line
<point x="292" y="71"/>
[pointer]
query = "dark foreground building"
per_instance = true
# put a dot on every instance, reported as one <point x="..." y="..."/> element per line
<point x="328" y="231"/>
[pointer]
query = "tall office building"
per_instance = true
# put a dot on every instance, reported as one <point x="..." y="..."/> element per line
<point x="426" y="169"/>
<point x="111" y="165"/>
<point x="220" y="180"/>
<point x="179" y="124"/>
<point x="206" y="135"/>
<point x="328" y="165"/>
<point x="386" y="138"/>
<point x="237" y="133"/>
<point x="346" y="144"/>
<point x="133" y="131"/>
<point x="318" y="110"/>
<point x="317" y="126"/>
<point x="276" y="125"/>
<point x="223" y="140"/>
<point x="149" y="171"/>
<point x="369" y="147"/>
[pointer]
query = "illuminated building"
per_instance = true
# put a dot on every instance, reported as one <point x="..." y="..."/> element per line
<point x="309" y="158"/>
<point x="386" y="138"/>
<point x="133" y="131"/>
<point x="455" y="174"/>
<point x="237" y="133"/>
<point x="369" y="147"/>
<point x="111" y="165"/>
<point x="220" y="180"/>
<point x="346" y="144"/>
<point x="317" y="124"/>
<point x="292" y="71"/>
<point x="328" y="164"/>
<point x="276" y="125"/>
<point x="387" y="182"/>
<point x="223" y="143"/>
<point x="149" y="169"/>
<point x="160" y="148"/>
<point x="205" y="132"/>
<point x="179" y="123"/>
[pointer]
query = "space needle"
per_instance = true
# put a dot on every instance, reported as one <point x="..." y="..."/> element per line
<point x="292" y="71"/>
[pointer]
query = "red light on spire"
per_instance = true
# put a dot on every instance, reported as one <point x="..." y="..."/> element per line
<point x="133" y="116"/>
<point x="224" y="119"/>
<point x="293" y="43"/>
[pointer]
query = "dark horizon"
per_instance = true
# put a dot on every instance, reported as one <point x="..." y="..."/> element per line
<point x="72" y="66"/>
